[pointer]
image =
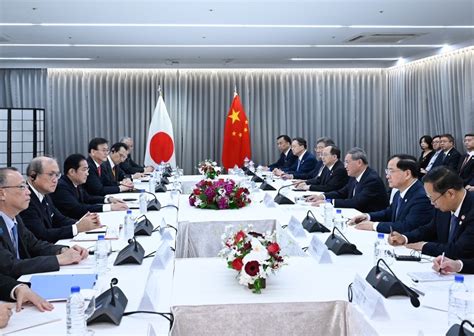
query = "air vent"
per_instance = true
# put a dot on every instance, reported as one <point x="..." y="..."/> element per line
<point x="382" y="38"/>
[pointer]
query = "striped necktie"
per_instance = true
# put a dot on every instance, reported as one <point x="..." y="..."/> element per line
<point x="15" y="239"/>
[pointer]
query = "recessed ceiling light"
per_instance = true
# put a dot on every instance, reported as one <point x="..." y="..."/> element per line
<point x="45" y="59"/>
<point x="346" y="59"/>
<point x="401" y="61"/>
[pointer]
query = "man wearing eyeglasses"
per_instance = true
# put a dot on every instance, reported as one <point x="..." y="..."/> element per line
<point x="20" y="251"/>
<point x="452" y="229"/>
<point x="410" y="207"/>
<point x="113" y="175"/>
<point x="70" y="197"/>
<point x="42" y="217"/>
<point x="98" y="154"/>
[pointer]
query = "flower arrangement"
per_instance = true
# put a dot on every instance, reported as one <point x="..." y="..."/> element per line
<point x="253" y="255"/>
<point x="209" y="169"/>
<point x="220" y="194"/>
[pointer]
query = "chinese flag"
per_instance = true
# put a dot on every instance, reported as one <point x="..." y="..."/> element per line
<point x="236" y="136"/>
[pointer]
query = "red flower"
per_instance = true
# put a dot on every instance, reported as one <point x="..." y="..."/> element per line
<point x="239" y="236"/>
<point x="237" y="264"/>
<point x="273" y="248"/>
<point x="251" y="268"/>
<point x="197" y="192"/>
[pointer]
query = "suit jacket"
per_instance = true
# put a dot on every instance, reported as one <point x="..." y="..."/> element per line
<point x="284" y="162"/>
<point x="36" y="256"/>
<point x="6" y="285"/>
<point x="450" y="160"/>
<point x="306" y="166"/>
<point x="424" y="161"/>
<point x="46" y="223"/>
<point x="468" y="266"/>
<point x="414" y="211"/>
<point x="95" y="185"/>
<point x="130" y="167"/>
<point x="75" y="202"/>
<point x="370" y="194"/>
<point x="467" y="171"/>
<point x="437" y="231"/>
<point x="109" y="178"/>
<point x="330" y="180"/>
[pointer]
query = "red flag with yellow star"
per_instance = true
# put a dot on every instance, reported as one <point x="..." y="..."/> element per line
<point x="236" y="136"/>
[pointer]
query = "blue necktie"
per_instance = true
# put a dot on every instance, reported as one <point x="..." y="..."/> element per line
<point x="399" y="205"/>
<point x="354" y="190"/>
<point x="452" y="228"/>
<point x="15" y="239"/>
<point x="298" y="166"/>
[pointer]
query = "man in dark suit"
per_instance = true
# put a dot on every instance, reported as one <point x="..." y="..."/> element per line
<point x="70" y="197"/>
<point x="364" y="191"/>
<point x="13" y="290"/>
<point x="449" y="156"/>
<point x="112" y="174"/>
<point x="98" y="153"/>
<point x="42" y="217"/>
<point x="305" y="162"/>
<point x="466" y="164"/>
<point x="410" y="207"/>
<point x="332" y="177"/>
<point x="452" y="229"/>
<point x="286" y="158"/>
<point x="20" y="252"/>
<point x="129" y="166"/>
<point x="446" y="265"/>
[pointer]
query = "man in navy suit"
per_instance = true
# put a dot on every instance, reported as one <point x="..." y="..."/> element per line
<point x="129" y="166"/>
<point x="42" y="217"/>
<point x="364" y="191"/>
<point x="112" y="173"/>
<point x="287" y="158"/>
<point x="445" y="265"/>
<point x="452" y="229"/>
<point x="305" y="162"/>
<point x="466" y="164"/>
<point x="70" y="197"/>
<point x="332" y="177"/>
<point x="410" y="208"/>
<point x="98" y="154"/>
<point x="20" y="251"/>
<point x="449" y="156"/>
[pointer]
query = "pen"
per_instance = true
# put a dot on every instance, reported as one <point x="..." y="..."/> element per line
<point x="441" y="262"/>
<point x="391" y="230"/>
<point x="95" y="232"/>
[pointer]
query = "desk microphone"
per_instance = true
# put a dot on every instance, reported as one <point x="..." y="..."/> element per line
<point x="281" y="199"/>
<point x="113" y="282"/>
<point x="143" y="227"/>
<point x="311" y="224"/>
<point x="154" y="204"/>
<point x="388" y="284"/>
<point x="341" y="246"/>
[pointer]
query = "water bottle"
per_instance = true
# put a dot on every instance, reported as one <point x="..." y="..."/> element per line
<point x="101" y="255"/>
<point x="246" y="162"/>
<point x="328" y="213"/>
<point x="143" y="202"/>
<point x="128" y="226"/>
<point x="383" y="250"/>
<point x="457" y="308"/>
<point x="338" y="220"/>
<point x="75" y="320"/>
<point x="152" y="184"/>
<point x="252" y="166"/>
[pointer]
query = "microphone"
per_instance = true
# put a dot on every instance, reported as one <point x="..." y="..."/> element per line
<point x="311" y="224"/>
<point x="388" y="284"/>
<point x="154" y="204"/>
<point x="113" y="282"/>
<point x="339" y="246"/>
<point x="131" y="254"/>
<point x="281" y="199"/>
<point x="143" y="227"/>
<point x="134" y="242"/>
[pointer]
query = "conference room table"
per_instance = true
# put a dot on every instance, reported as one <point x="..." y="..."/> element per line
<point x="303" y="290"/>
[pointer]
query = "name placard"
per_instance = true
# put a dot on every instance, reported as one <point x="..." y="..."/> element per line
<point x="368" y="299"/>
<point x="319" y="251"/>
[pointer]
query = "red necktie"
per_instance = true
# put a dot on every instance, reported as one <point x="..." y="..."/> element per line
<point x="99" y="170"/>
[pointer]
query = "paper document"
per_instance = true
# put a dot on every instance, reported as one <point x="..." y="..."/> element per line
<point x="27" y="318"/>
<point x="429" y="276"/>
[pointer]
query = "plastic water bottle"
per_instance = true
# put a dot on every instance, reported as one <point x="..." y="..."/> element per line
<point x="383" y="250"/>
<point x="152" y="184"/>
<point x="338" y="220"/>
<point x="143" y="202"/>
<point x="328" y="213"/>
<point x="246" y="162"/>
<point x="252" y="166"/>
<point x="101" y="255"/>
<point x="75" y="320"/>
<point x="128" y="226"/>
<point x="458" y="293"/>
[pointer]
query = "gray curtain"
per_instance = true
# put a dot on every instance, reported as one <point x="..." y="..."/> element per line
<point x="432" y="96"/>
<point x="383" y="111"/>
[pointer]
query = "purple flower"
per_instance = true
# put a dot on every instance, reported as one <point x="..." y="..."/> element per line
<point x="210" y="193"/>
<point x="222" y="203"/>
<point x="228" y="188"/>
<point x="191" y="201"/>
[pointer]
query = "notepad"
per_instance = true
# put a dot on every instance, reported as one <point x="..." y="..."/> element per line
<point x="57" y="287"/>
<point x="429" y="276"/>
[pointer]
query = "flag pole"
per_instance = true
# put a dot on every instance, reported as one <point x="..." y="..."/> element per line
<point x="235" y="90"/>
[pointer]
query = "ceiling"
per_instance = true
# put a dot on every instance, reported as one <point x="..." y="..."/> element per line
<point x="229" y="34"/>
